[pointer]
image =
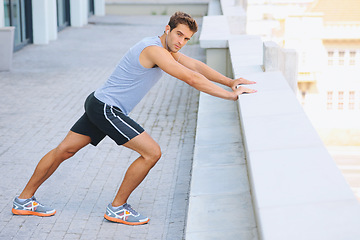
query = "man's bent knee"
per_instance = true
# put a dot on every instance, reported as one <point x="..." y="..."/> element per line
<point x="72" y="143"/>
<point x="153" y="157"/>
<point x="63" y="152"/>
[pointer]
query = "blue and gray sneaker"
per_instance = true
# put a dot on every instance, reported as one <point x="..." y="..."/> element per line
<point x="31" y="206"/>
<point x="124" y="214"/>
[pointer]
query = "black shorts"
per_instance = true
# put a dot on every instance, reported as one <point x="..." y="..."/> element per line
<point x="100" y="120"/>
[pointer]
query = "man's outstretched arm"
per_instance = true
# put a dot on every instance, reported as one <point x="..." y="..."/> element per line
<point x="208" y="72"/>
<point x="163" y="59"/>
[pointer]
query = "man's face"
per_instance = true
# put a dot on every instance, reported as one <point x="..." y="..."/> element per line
<point x="178" y="37"/>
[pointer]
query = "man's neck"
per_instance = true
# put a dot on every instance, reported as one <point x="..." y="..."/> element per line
<point x="164" y="41"/>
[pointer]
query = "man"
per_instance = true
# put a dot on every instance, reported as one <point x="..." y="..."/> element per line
<point x="107" y="109"/>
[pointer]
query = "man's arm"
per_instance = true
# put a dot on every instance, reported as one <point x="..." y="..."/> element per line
<point x="208" y="72"/>
<point x="163" y="59"/>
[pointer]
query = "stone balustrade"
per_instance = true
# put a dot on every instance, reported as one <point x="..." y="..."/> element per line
<point x="277" y="58"/>
<point x="297" y="190"/>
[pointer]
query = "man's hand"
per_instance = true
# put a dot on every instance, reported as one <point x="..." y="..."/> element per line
<point x="236" y="82"/>
<point x="238" y="89"/>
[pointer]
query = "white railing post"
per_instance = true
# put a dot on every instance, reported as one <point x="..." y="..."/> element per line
<point x="280" y="59"/>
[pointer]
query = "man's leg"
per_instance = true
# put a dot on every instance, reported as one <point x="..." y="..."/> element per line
<point x="119" y="210"/>
<point x="150" y="153"/>
<point x="72" y="143"/>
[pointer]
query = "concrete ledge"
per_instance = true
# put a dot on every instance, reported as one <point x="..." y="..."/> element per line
<point x="245" y="50"/>
<point x="298" y="191"/>
<point x="215" y="32"/>
<point x="236" y="16"/>
<point x="218" y="29"/>
<point x="214" y="8"/>
<point x="220" y="205"/>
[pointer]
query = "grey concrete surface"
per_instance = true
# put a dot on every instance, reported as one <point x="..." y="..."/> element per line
<point x="43" y="96"/>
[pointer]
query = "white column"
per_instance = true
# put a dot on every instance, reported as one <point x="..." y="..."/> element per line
<point x="85" y="11"/>
<point x="2" y="16"/>
<point x="78" y="12"/>
<point x="40" y="21"/>
<point x="75" y="14"/>
<point x="52" y="15"/>
<point x="99" y="6"/>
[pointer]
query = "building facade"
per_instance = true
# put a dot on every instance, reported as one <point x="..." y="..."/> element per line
<point x="329" y="45"/>
<point x="39" y="21"/>
<point x="326" y="36"/>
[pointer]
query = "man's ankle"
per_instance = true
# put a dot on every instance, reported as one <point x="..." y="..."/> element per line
<point x="24" y="196"/>
<point x="116" y="204"/>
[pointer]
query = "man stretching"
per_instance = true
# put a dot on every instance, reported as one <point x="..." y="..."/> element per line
<point x="107" y="109"/>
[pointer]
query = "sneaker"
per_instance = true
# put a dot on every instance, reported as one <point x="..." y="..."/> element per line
<point x="124" y="214"/>
<point x="31" y="207"/>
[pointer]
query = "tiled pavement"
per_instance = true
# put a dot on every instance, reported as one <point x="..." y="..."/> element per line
<point x="43" y="96"/>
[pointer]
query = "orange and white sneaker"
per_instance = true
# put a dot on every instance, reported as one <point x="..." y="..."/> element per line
<point x="124" y="214"/>
<point x="31" y="206"/>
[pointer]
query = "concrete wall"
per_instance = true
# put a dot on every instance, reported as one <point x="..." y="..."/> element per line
<point x="298" y="192"/>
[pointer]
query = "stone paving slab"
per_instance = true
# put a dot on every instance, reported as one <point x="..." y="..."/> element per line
<point x="43" y="96"/>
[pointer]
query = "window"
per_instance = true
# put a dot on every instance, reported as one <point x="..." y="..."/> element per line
<point x="341" y="100"/>
<point x="330" y="58"/>
<point x="18" y="14"/>
<point x="341" y="58"/>
<point x="352" y="100"/>
<point x="329" y="100"/>
<point x="91" y="7"/>
<point x="352" y="60"/>
<point x="63" y="14"/>
<point x="7" y="12"/>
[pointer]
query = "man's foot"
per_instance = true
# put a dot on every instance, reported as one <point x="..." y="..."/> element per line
<point x="31" y="207"/>
<point x="125" y="214"/>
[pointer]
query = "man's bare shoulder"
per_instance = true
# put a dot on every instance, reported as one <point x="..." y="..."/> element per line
<point x="151" y="55"/>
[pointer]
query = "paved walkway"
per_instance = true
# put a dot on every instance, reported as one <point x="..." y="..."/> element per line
<point x="43" y="96"/>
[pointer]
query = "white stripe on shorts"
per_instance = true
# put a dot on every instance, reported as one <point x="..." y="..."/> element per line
<point x="113" y="123"/>
<point x="125" y="123"/>
<point x="112" y="111"/>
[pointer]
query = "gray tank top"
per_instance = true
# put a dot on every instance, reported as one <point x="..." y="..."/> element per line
<point x="130" y="81"/>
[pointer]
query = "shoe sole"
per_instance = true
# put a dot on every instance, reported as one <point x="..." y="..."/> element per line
<point x="112" y="219"/>
<point x="26" y="212"/>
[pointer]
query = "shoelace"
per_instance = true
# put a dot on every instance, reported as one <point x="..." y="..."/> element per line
<point x="128" y="207"/>
<point x="34" y="199"/>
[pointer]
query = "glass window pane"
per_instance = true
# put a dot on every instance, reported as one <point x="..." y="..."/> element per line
<point x="7" y="12"/>
<point x="60" y="12"/>
<point x="22" y="20"/>
<point x="15" y="21"/>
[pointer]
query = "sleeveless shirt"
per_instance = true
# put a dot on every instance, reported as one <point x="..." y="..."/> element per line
<point x="130" y="81"/>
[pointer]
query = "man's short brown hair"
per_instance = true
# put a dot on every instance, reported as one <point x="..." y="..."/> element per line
<point x="183" y="18"/>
